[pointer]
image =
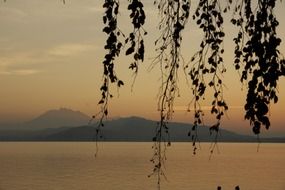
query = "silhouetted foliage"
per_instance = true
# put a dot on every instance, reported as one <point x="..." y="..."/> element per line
<point x="173" y="17"/>
<point x="208" y="61"/>
<point x="257" y="54"/>
<point x="220" y="188"/>
<point x="257" y="59"/>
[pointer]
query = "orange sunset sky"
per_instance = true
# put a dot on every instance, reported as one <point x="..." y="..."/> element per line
<point x="51" y="54"/>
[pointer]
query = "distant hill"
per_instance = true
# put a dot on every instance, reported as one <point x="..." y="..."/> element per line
<point x="124" y="129"/>
<point x="62" y="117"/>
<point x="58" y="118"/>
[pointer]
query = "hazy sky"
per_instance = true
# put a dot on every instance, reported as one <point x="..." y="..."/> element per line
<point x="51" y="54"/>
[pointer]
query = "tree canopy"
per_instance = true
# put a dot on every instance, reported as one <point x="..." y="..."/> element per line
<point x="256" y="58"/>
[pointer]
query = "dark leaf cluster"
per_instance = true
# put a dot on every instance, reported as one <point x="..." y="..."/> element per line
<point x="173" y="17"/>
<point x="113" y="47"/>
<point x="135" y="38"/>
<point x="258" y="58"/>
<point x="208" y="61"/>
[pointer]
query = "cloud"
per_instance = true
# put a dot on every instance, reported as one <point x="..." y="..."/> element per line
<point x="12" y="14"/>
<point x="71" y="49"/>
<point x="5" y="73"/>
<point x="203" y="108"/>
<point x="24" y="72"/>
<point x="20" y="63"/>
<point x="15" y="59"/>
<point x="96" y="9"/>
<point x="20" y="72"/>
<point x="186" y="108"/>
<point x="33" y="61"/>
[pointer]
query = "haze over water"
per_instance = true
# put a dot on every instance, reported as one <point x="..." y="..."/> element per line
<point x="125" y="166"/>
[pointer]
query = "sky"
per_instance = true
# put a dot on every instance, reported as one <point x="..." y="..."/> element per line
<point x="51" y="57"/>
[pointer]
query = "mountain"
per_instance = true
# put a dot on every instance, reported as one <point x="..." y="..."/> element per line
<point x="140" y="129"/>
<point x="57" y="118"/>
<point x="125" y="129"/>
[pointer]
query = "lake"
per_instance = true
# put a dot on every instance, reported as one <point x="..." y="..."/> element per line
<point x="125" y="166"/>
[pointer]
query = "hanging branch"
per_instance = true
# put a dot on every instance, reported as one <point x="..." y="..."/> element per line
<point x="135" y="39"/>
<point x="258" y="57"/>
<point x="113" y="47"/>
<point x="174" y="15"/>
<point x="208" y="62"/>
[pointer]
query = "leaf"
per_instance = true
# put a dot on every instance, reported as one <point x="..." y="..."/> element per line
<point x="214" y="128"/>
<point x="105" y="5"/>
<point x="275" y="99"/>
<point x="119" y="45"/>
<point x="104" y="19"/>
<point x="103" y="88"/>
<point x="130" y="51"/>
<point x="120" y="83"/>
<point x="141" y="50"/>
<point x="107" y="30"/>
<point x="265" y="121"/>
<point x="116" y="10"/>
<point x="256" y="127"/>
<point x="233" y="21"/>
<point x="101" y="101"/>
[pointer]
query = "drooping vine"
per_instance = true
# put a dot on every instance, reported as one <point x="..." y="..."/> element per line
<point x="174" y="15"/>
<point x="113" y="47"/>
<point x="258" y="58"/>
<point x="207" y="65"/>
<point x="135" y="38"/>
<point x="256" y="45"/>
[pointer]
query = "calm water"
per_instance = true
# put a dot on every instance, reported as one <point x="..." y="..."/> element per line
<point x="125" y="166"/>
